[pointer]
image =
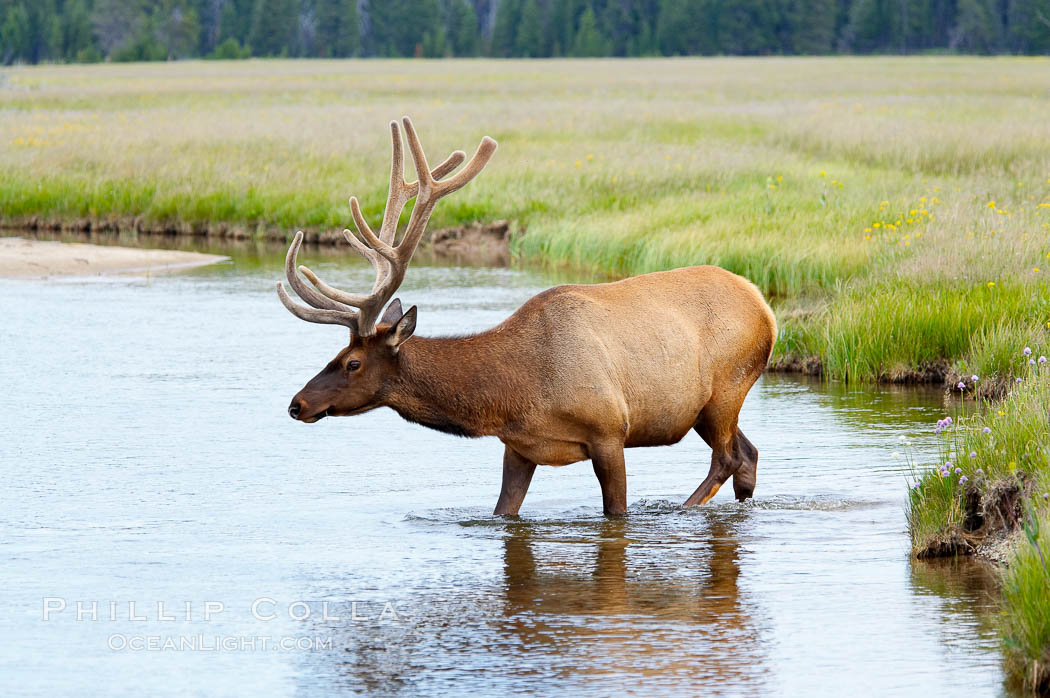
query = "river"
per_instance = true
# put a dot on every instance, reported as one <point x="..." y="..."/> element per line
<point x="147" y="457"/>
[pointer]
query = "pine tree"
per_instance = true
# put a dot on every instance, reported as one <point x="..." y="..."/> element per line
<point x="869" y="23"/>
<point x="748" y="27"/>
<point x="505" y="30"/>
<point x="684" y="27"/>
<point x="808" y="26"/>
<point x="117" y="24"/>
<point x="338" y="28"/>
<point x="14" y="35"/>
<point x="463" y="28"/>
<point x="1028" y="23"/>
<point x="976" y="28"/>
<point x="175" y="28"/>
<point x="559" y="30"/>
<point x="273" y="27"/>
<point x="529" y="42"/>
<point x="76" y="30"/>
<point x="589" y="40"/>
<point x="398" y="26"/>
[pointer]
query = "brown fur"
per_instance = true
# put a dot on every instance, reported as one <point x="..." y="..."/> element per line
<point x="578" y="372"/>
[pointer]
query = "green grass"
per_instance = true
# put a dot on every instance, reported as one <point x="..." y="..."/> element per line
<point x="891" y="330"/>
<point x="1026" y="620"/>
<point x="1014" y="451"/>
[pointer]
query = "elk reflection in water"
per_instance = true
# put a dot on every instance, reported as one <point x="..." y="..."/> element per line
<point x="662" y="603"/>
<point x="591" y="605"/>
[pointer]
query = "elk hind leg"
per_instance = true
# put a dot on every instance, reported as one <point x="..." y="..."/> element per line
<point x="747" y="471"/>
<point x="730" y="450"/>
<point x="611" y="471"/>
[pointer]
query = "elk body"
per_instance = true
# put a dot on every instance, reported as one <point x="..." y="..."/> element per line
<point x="578" y="372"/>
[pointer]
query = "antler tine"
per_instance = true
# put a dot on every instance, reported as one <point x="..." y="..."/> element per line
<point x="423" y="176"/>
<point x="305" y="292"/>
<point x="326" y="317"/>
<point x="480" y="158"/>
<point x="325" y="310"/>
<point x="429" y="195"/>
<point x="378" y="244"/>
<point x="397" y="196"/>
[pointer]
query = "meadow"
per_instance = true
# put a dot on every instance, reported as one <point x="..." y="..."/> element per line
<point x="896" y="211"/>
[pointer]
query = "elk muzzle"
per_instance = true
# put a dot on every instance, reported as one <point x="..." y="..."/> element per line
<point x="300" y="410"/>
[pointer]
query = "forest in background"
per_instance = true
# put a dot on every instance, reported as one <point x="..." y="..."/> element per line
<point x="36" y="31"/>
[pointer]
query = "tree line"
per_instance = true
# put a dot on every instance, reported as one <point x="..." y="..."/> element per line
<point x="34" y="31"/>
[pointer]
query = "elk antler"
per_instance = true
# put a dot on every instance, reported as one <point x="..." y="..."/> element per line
<point x="389" y="260"/>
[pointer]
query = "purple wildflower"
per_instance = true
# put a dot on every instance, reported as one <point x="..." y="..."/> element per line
<point x="958" y="471"/>
<point x="962" y="386"/>
<point x="963" y="479"/>
<point x="987" y="430"/>
<point x="973" y="378"/>
<point x="1027" y="351"/>
<point x="980" y="471"/>
<point x="1042" y="359"/>
<point x="1018" y="380"/>
<point x="1031" y="362"/>
<point x="915" y="485"/>
<point x="973" y="454"/>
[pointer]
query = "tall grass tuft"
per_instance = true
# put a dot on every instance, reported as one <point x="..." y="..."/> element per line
<point x="1026" y="596"/>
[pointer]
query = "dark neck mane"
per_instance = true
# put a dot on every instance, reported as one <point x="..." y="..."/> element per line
<point x="466" y="386"/>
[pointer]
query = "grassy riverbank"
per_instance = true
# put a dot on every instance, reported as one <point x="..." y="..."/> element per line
<point x="896" y="210"/>
<point x="990" y="490"/>
<point x="856" y="192"/>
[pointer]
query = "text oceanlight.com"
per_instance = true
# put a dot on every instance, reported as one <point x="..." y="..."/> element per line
<point x="217" y="643"/>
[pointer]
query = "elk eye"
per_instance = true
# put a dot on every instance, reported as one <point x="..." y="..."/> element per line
<point x="353" y="365"/>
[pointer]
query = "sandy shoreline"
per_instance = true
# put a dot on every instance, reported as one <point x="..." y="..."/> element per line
<point x="38" y="259"/>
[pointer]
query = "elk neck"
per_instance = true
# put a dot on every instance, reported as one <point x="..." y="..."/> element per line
<point x="467" y="386"/>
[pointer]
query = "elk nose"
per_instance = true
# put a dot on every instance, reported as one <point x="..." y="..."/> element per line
<point x="294" y="409"/>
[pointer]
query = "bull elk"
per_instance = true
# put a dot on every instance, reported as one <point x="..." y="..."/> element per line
<point x="578" y="372"/>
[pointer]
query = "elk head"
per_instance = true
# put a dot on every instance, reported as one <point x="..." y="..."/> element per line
<point x="354" y="381"/>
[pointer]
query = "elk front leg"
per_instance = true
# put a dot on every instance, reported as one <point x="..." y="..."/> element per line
<point x="612" y="475"/>
<point x="517" y="474"/>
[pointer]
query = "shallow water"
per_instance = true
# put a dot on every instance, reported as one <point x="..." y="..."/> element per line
<point x="147" y="457"/>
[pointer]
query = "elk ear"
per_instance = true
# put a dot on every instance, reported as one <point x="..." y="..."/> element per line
<point x="392" y="313"/>
<point x="403" y="329"/>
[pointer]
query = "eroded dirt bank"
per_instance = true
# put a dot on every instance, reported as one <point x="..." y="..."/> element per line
<point x="474" y="243"/>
